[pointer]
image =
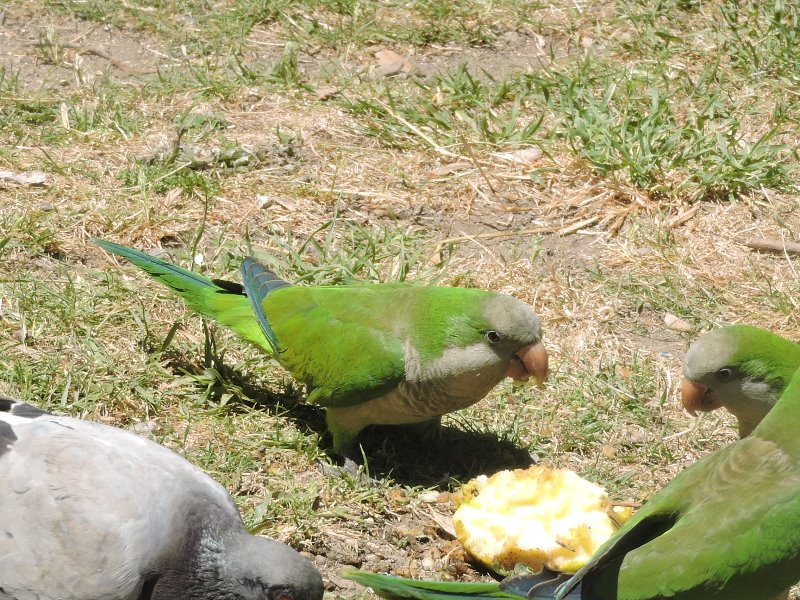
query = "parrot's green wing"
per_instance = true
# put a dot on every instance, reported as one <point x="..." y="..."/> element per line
<point x="344" y="345"/>
<point x="732" y="519"/>
<point x="260" y="281"/>
<point x="222" y="301"/>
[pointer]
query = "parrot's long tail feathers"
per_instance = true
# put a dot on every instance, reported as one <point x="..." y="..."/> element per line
<point x="179" y="279"/>
<point x="258" y="283"/>
<point x="223" y="301"/>
<point x="397" y="588"/>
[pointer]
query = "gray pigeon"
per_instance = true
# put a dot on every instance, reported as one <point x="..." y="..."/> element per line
<point x="91" y="512"/>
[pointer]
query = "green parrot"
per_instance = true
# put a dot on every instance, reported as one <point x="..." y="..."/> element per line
<point x="743" y="368"/>
<point x="725" y="528"/>
<point x="371" y="354"/>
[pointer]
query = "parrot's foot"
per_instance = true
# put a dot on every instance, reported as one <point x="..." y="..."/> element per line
<point x="428" y="432"/>
<point x="349" y="469"/>
<point x="352" y="468"/>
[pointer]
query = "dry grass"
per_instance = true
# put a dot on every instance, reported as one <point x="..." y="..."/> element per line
<point x="603" y="246"/>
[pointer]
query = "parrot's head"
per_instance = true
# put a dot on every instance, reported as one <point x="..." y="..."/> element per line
<point x="514" y="333"/>
<point x="742" y="368"/>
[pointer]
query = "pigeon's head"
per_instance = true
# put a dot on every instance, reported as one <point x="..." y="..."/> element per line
<point x="259" y="568"/>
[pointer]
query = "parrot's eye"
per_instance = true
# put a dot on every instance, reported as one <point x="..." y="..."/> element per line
<point x="725" y="374"/>
<point x="492" y="336"/>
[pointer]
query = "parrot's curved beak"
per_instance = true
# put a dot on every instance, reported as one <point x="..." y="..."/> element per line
<point x="697" y="397"/>
<point x="529" y="364"/>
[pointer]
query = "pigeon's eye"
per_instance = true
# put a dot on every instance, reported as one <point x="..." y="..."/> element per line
<point x="725" y="374"/>
<point x="492" y="336"/>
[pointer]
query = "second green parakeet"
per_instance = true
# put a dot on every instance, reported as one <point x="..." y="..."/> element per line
<point x="725" y="528"/>
<point x="742" y="368"/>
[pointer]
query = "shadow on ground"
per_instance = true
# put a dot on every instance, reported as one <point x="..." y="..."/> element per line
<point x="409" y="455"/>
<point x="454" y="456"/>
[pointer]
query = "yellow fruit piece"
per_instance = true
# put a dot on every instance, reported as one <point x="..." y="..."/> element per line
<point x="537" y="517"/>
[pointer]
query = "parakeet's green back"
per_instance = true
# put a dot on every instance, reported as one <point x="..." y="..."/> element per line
<point x="764" y="355"/>
<point x="348" y="341"/>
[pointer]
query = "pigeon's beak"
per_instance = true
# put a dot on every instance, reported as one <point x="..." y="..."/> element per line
<point x="697" y="397"/>
<point x="529" y="364"/>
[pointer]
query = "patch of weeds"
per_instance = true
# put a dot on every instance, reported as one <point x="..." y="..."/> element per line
<point x="160" y="178"/>
<point x="204" y="124"/>
<point x="49" y="48"/>
<point x="769" y="293"/>
<point x="34" y="113"/>
<point x="294" y="506"/>
<point x="625" y="125"/>
<point x="450" y="109"/>
<point x="225" y="76"/>
<point x="285" y="72"/>
<point x="205" y="78"/>
<point x="29" y="229"/>
<point x="614" y="410"/>
<point x="441" y="21"/>
<point x="51" y="120"/>
<point x="92" y="10"/>
<point x="65" y="368"/>
<point x="663" y="293"/>
<point x="225" y="31"/>
<point x="9" y="82"/>
<point x="104" y="112"/>
<point x="29" y="118"/>
<point x="342" y="251"/>
<point x="762" y="39"/>
<point x="659" y="29"/>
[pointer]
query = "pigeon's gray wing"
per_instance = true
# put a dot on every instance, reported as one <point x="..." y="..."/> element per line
<point x="111" y="505"/>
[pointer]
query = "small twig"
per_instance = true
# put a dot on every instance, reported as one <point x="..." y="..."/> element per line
<point x="436" y="147"/>
<point x="482" y="194"/>
<point x="478" y="166"/>
<point x="683" y="217"/>
<point x="102" y="54"/>
<point x="85" y="34"/>
<point x="579" y="225"/>
<point x="445" y="524"/>
<point x="530" y="231"/>
<point x="672" y="436"/>
<point x="630" y="504"/>
<point x="771" y="245"/>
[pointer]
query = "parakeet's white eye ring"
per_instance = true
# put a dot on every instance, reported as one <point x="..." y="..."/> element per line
<point x="725" y="374"/>
<point x="492" y="336"/>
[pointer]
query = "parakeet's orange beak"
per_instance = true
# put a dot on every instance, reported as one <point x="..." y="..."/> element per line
<point x="530" y="363"/>
<point x="697" y="397"/>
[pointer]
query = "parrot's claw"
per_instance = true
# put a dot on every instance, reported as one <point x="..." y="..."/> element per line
<point x="349" y="469"/>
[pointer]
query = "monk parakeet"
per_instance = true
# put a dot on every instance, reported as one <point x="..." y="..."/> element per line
<point x="740" y="367"/>
<point x="726" y="528"/>
<point x="371" y="354"/>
